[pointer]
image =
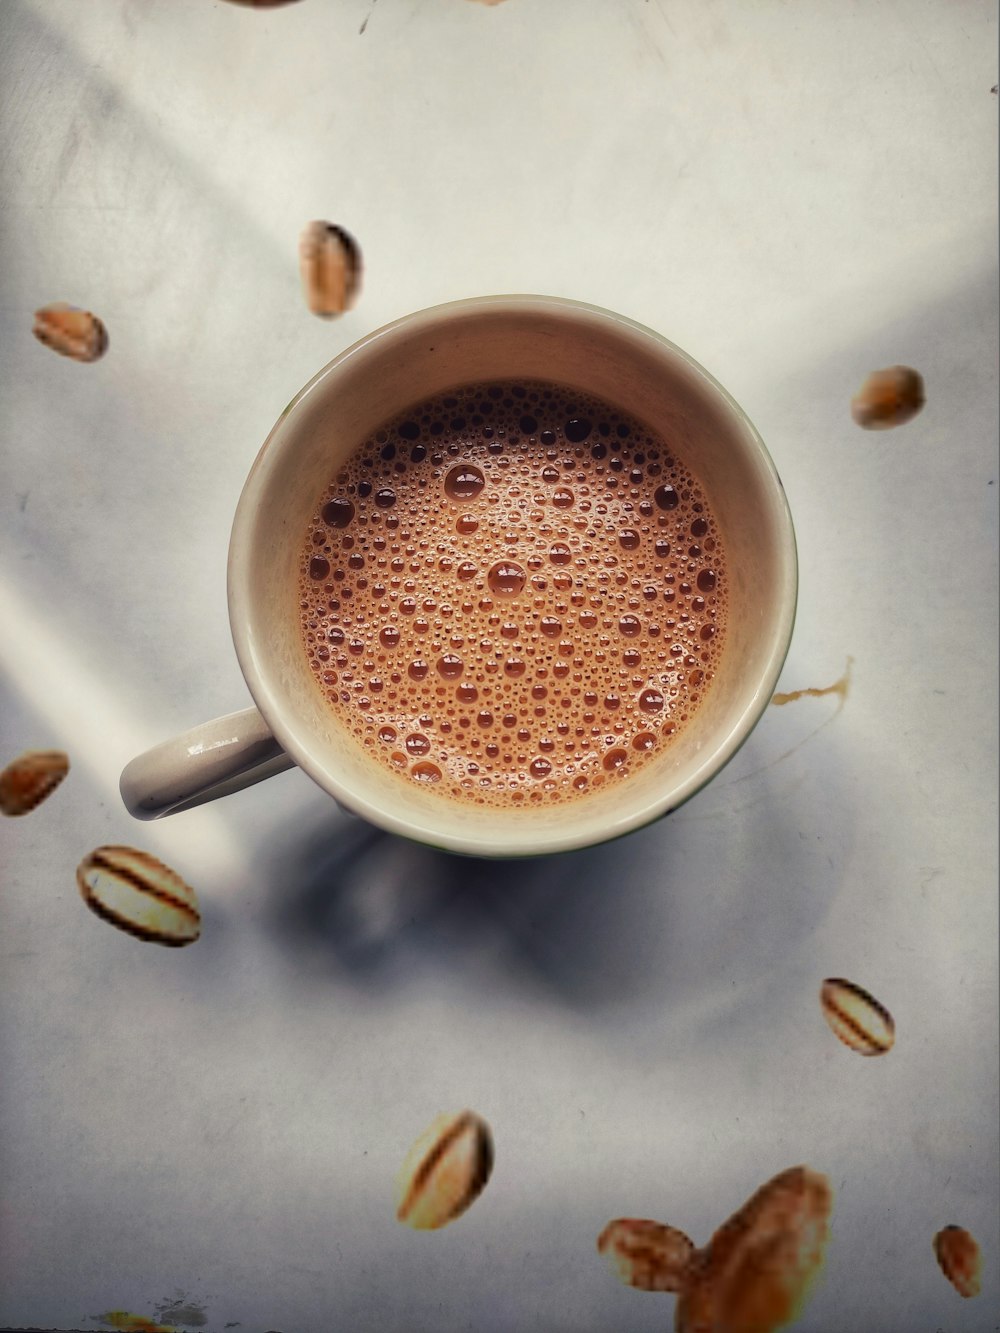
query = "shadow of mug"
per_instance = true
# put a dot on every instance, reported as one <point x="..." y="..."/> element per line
<point x="673" y="914"/>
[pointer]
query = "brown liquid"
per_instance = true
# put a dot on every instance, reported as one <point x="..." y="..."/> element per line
<point x="514" y="593"/>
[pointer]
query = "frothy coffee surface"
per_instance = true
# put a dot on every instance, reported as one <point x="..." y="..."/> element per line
<point x="513" y="592"/>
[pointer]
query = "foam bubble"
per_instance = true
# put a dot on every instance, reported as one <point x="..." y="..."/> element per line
<point x="478" y="581"/>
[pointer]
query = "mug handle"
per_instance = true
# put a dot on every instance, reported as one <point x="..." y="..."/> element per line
<point x="212" y="760"/>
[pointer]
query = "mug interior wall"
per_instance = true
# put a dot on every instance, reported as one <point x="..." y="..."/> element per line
<point x="582" y="349"/>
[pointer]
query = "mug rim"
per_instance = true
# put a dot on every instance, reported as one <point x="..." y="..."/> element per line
<point x="273" y="707"/>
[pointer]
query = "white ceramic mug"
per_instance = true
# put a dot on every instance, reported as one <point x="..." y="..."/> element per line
<point x="491" y="338"/>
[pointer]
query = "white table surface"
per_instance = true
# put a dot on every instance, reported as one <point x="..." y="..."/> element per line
<point x="797" y="193"/>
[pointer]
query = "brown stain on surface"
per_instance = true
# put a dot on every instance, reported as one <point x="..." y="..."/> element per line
<point x="841" y="687"/>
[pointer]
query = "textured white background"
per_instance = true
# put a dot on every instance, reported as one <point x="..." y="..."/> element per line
<point x="797" y="193"/>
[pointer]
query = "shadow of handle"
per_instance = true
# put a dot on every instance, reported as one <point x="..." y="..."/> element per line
<point x="209" y="761"/>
